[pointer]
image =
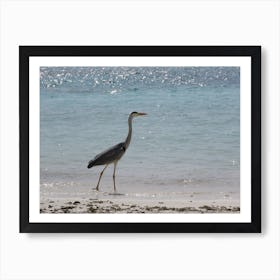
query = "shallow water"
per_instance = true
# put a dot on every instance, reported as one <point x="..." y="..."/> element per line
<point x="188" y="142"/>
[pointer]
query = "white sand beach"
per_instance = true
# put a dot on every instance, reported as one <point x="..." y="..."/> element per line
<point x="100" y="202"/>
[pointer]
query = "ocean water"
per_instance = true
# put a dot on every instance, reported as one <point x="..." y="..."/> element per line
<point x="188" y="142"/>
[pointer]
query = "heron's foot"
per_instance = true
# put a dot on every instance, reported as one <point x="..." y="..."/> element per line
<point x="116" y="193"/>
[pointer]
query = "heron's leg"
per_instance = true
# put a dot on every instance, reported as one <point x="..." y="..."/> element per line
<point x="115" y="165"/>
<point x="97" y="187"/>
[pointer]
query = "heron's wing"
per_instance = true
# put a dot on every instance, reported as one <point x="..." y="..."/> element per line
<point x="108" y="156"/>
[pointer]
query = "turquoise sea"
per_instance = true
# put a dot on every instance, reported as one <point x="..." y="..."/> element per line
<point x="189" y="141"/>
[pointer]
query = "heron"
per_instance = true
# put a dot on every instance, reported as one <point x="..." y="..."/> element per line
<point x="115" y="153"/>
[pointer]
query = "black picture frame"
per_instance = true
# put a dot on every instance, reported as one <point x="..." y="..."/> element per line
<point x="25" y="52"/>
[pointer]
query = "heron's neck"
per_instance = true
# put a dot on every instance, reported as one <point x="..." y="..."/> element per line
<point x="128" y="138"/>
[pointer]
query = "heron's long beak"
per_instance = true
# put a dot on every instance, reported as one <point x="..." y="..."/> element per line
<point x="142" y="114"/>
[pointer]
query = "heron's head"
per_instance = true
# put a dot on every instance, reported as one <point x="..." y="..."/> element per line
<point x="137" y="114"/>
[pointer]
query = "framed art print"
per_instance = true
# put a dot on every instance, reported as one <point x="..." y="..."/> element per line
<point x="140" y="138"/>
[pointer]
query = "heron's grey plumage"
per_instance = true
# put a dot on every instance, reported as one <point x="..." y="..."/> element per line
<point x="114" y="154"/>
<point x="108" y="156"/>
